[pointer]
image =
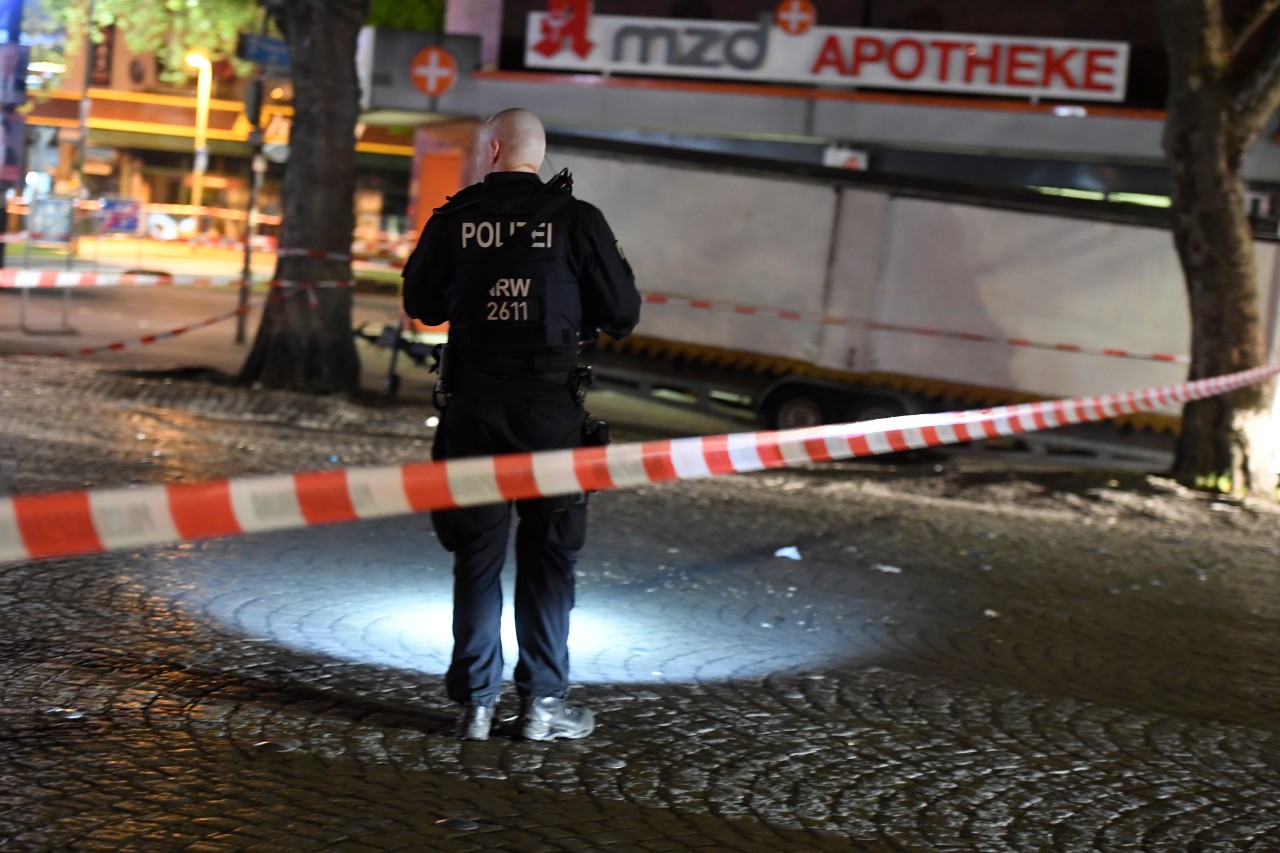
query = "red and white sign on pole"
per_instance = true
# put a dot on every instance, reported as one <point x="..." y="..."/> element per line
<point x="433" y="70"/>
<point x="790" y="47"/>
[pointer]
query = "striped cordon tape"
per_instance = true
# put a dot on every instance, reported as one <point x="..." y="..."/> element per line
<point x="146" y="340"/>
<point x="31" y="279"/>
<point x="361" y="247"/>
<point x="875" y="325"/>
<point x="36" y="279"/>
<point x="318" y="254"/>
<point x="33" y="526"/>
<point x="156" y="337"/>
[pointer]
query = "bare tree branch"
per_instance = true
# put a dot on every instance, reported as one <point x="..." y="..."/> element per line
<point x="1258" y="95"/>
<point x="1252" y="18"/>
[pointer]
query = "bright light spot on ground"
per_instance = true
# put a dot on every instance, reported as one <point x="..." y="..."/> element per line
<point x="380" y="593"/>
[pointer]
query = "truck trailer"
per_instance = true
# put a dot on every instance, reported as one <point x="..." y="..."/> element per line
<point x="809" y="294"/>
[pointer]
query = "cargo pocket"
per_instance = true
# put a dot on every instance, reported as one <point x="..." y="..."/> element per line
<point x="568" y="524"/>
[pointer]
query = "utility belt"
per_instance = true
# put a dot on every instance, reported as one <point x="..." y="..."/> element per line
<point x="452" y="378"/>
<point x="531" y="365"/>
<point x="456" y="371"/>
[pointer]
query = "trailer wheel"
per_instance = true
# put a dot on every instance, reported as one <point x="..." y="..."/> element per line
<point x="797" y="408"/>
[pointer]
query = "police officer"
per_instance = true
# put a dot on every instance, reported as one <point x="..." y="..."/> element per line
<point x="525" y="274"/>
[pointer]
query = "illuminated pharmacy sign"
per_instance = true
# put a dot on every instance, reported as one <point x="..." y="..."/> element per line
<point x="790" y="47"/>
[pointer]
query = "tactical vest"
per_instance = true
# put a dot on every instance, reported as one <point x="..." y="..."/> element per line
<point x="512" y="300"/>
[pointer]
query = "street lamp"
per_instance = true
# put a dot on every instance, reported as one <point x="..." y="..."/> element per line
<point x="205" y="68"/>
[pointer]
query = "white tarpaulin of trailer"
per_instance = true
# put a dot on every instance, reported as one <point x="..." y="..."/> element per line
<point x="1016" y="275"/>
<point x="744" y="240"/>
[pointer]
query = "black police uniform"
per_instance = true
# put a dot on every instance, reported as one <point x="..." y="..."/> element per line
<point x="517" y="316"/>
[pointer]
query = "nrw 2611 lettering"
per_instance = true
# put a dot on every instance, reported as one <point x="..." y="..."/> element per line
<point x="510" y="303"/>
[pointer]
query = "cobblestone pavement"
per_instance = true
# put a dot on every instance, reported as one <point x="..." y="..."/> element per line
<point x="961" y="659"/>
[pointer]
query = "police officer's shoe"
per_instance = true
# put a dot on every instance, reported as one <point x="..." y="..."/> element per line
<point x="475" y="721"/>
<point x="548" y="718"/>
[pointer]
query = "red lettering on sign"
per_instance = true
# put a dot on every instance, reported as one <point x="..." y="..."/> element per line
<point x="945" y="49"/>
<point x="866" y="49"/>
<point x="1055" y="65"/>
<point x="973" y="62"/>
<point x="906" y="72"/>
<point x="1095" y="67"/>
<point x="830" y="57"/>
<point x="1021" y="59"/>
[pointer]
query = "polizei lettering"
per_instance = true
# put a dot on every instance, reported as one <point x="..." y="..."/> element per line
<point x="697" y="47"/>
<point x="491" y="235"/>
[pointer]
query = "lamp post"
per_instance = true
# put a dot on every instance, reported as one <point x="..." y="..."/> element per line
<point x="205" y="68"/>
<point x="82" y="142"/>
<point x="12" y="19"/>
<point x="258" y="167"/>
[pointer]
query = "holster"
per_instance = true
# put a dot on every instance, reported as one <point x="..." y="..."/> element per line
<point x="580" y="383"/>
<point x="442" y="366"/>
<point x="596" y="432"/>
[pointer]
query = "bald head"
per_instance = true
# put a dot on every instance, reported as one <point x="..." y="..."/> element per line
<point x="510" y="141"/>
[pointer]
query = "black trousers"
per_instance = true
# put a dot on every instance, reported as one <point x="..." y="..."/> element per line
<point x="489" y="416"/>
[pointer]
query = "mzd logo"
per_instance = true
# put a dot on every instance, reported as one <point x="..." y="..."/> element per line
<point x="568" y="36"/>
<point x="697" y="45"/>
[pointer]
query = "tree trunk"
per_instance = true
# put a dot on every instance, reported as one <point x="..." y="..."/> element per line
<point x="1225" y="443"/>
<point x="305" y="340"/>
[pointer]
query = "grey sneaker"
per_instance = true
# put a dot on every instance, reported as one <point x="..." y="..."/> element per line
<point x="475" y="721"/>
<point x="548" y="718"/>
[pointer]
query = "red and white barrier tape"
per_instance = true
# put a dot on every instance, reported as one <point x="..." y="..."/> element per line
<point x="1112" y="352"/>
<point x="212" y="242"/>
<point x="147" y="340"/>
<point x="260" y="244"/>
<point x="357" y="247"/>
<point x="34" y="279"/>
<point x="405" y="242"/>
<point x="386" y="266"/>
<point x="340" y="256"/>
<point x="98" y="520"/>
<point x="822" y="320"/>
<point x="37" y="279"/>
<point x="313" y="253"/>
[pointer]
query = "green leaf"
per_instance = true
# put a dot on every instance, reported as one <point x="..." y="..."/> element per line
<point x="423" y="15"/>
<point x="171" y="29"/>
